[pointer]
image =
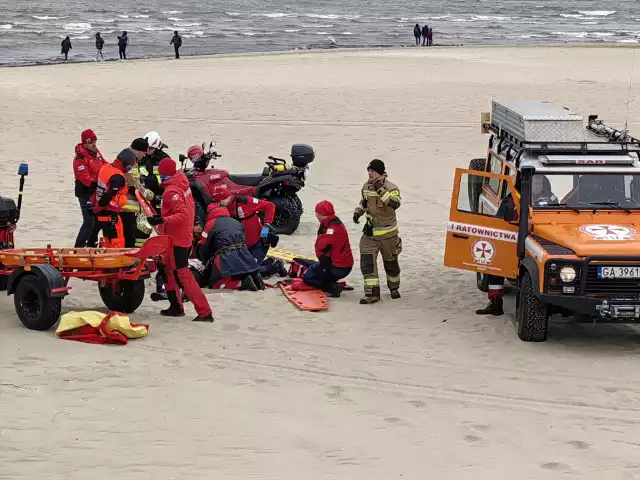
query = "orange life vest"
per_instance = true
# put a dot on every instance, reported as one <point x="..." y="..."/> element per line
<point x="120" y="199"/>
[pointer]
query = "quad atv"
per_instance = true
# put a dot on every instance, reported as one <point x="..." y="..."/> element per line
<point x="278" y="183"/>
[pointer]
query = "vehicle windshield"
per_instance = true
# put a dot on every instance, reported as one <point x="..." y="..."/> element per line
<point x="586" y="191"/>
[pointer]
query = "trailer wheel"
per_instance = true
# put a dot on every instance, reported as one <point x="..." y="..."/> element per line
<point x="532" y="316"/>
<point x="122" y="296"/>
<point x="36" y="310"/>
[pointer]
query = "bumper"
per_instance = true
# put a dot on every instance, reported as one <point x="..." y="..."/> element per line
<point x="617" y="308"/>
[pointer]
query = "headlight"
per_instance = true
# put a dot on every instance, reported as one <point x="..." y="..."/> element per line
<point x="567" y="274"/>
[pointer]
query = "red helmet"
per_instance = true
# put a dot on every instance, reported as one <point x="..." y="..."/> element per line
<point x="220" y="193"/>
<point x="194" y="152"/>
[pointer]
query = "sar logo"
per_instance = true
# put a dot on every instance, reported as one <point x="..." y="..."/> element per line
<point x="608" y="232"/>
<point x="483" y="251"/>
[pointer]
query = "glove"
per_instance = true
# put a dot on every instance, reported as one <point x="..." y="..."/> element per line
<point x="148" y="194"/>
<point x="264" y="233"/>
<point x="356" y="218"/>
<point x="155" y="220"/>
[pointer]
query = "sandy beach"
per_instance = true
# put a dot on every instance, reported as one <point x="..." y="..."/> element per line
<point x="417" y="388"/>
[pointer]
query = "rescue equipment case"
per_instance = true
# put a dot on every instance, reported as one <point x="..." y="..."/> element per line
<point x="302" y="155"/>
<point x="8" y="212"/>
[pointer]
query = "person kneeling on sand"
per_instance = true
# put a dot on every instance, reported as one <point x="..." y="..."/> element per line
<point x="225" y="260"/>
<point x="333" y="249"/>
<point x="176" y="220"/>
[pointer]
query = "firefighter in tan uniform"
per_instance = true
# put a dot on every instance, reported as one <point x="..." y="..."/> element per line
<point x="379" y="202"/>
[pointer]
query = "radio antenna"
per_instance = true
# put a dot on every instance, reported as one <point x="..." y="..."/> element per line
<point x="626" y="120"/>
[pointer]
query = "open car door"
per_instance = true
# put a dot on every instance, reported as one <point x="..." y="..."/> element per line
<point x="476" y="241"/>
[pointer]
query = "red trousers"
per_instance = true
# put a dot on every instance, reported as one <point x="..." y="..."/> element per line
<point x="176" y="264"/>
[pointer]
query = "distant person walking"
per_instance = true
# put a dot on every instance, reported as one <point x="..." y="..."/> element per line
<point x="123" y="42"/>
<point x="430" y="37"/>
<point x="425" y="34"/>
<point x="66" y="46"/>
<point x="176" y="41"/>
<point x="416" y="33"/>
<point x="99" y="47"/>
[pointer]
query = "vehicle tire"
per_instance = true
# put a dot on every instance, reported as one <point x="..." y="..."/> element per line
<point x="475" y="185"/>
<point x="127" y="299"/>
<point x="532" y="316"/>
<point x="35" y="309"/>
<point x="482" y="281"/>
<point x="287" y="216"/>
<point x="296" y="198"/>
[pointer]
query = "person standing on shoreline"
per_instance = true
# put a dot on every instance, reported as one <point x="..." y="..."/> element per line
<point x="123" y="42"/>
<point x="416" y="33"/>
<point x="99" y="47"/>
<point x="425" y="34"/>
<point x="430" y="37"/>
<point x="176" y="41"/>
<point x="66" y="46"/>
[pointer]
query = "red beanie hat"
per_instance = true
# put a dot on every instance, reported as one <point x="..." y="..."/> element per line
<point x="221" y="192"/>
<point x="167" y="167"/>
<point x="88" y="136"/>
<point x="325" y="208"/>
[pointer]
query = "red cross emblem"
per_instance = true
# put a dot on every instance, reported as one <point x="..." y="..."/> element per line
<point x="483" y="251"/>
<point x="608" y="232"/>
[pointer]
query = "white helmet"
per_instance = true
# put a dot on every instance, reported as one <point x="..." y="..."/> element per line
<point x="153" y="139"/>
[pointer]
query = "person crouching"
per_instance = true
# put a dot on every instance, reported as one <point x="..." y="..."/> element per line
<point x="259" y="236"/>
<point x="176" y="220"/>
<point x="224" y="253"/>
<point x="333" y="249"/>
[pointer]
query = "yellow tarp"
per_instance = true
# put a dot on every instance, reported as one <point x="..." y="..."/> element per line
<point x="287" y="256"/>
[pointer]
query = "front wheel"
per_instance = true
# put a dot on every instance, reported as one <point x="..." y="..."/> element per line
<point x="122" y="296"/>
<point x="531" y="314"/>
<point x="288" y="213"/>
<point x="36" y="310"/>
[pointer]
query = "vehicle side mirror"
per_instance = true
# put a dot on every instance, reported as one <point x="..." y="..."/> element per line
<point x="182" y="158"/>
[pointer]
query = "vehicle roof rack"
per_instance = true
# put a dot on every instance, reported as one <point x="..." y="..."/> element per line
<point x="543" y="127"/>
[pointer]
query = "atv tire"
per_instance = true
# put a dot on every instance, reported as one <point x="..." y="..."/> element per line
<point x="288" y="212"/>
<point x="475" y="183"/>
<point x="531" y="315"/>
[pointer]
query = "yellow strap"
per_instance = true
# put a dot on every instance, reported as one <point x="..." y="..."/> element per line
<point x="384" y="231"/>
<point x="371" y="282"/>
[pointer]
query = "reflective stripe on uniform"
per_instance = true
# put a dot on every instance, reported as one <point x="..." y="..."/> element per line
<point x="379" y="231"/>
<point x="372" y="282"/>
<point x="131" y="206"/>
<point x="393" y="279"/>
<point x="385" y="196"/>
<point x="496" y="287"/>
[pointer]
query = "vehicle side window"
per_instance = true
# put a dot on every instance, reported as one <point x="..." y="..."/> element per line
<point x="505" y="186"/>
<point x="495" y="166"/>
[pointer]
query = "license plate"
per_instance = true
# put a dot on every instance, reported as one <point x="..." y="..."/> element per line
<point x="619" y="272"/>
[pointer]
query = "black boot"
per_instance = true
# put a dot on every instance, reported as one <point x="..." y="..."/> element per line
<point x="334" y="289"/>
<point x="208" y="318"/>
<point x="248" y="284"/>
<point x="395" y="294"/>
<point x="494" y="308"/>
<point x="174" y="310"/>
<point x="158" y="297"/>
<point x="281" y="270"/>
<point x="257" y="280"/>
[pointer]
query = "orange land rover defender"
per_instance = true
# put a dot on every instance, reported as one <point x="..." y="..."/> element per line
<point x="569" y="238"/>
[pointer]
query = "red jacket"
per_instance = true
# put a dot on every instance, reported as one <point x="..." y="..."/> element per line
<point x="245" y="210"/>
<point x="178" y="210"/>
<point x="332" y="245"/>
<point x="86" y="166"/>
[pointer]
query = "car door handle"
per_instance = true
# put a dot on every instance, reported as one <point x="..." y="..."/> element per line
<point x="457" y="235"/>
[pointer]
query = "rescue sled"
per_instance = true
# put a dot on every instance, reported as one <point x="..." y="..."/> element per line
<point x="308" y="300"/>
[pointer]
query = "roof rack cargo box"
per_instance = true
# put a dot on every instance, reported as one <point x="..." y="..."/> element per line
<point x="537" y="121"/>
